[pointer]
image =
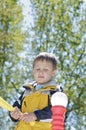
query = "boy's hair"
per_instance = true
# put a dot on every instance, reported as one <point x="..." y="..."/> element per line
<point x="49" y="57"/>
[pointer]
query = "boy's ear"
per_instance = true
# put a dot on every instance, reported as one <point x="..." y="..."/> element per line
<point x="54" y="72"/>
<point x="32" y="71"/>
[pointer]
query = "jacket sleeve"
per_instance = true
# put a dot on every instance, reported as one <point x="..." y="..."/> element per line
<point x="44" y="113"/>
<point x="17" y="104"/>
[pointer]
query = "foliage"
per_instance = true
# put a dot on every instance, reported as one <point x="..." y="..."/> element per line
<point x="11" y="37"/>
<point x="60" y="27"/>
<point x="11" y="42"/>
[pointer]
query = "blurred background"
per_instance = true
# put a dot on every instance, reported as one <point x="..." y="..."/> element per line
<point x="31" y="26"/>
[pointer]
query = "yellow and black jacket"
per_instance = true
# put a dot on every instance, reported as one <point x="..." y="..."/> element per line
<point x="37" y="99"/>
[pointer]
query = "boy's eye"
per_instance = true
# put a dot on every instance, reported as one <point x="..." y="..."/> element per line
<point x="45" y="70"/>
<point x="37" y="69"/>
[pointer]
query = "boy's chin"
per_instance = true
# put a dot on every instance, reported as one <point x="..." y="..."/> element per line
<point x="43" y="82"/>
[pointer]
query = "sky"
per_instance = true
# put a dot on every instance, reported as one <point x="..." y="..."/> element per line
<point x="28" y="19"/>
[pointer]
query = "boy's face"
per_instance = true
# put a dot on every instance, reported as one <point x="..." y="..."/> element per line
<point x="43" y="71"/>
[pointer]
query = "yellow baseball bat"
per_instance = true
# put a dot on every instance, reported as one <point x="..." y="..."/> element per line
<point x="4" y="104"/>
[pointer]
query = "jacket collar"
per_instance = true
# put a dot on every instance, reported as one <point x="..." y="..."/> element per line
<point x="34" y="86"/>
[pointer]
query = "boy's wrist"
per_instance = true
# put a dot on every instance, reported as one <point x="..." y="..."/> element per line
<point x="34" y="116"/>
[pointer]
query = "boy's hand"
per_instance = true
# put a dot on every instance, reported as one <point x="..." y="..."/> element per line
<point x="28" y="117"/>
<point x="15" y="114"/>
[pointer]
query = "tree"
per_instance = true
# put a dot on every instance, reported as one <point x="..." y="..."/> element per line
<point x="11" y="42"/>
<point x="11" y="37"/>
<point x="59" y="27"/>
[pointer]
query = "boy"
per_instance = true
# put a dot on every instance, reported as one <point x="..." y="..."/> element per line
<point x="33" y="111"/>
